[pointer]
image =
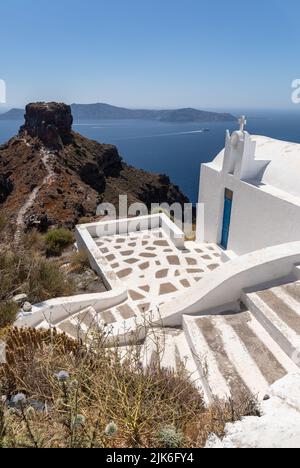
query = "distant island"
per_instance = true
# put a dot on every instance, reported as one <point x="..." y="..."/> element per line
<point x="108" y="112"/>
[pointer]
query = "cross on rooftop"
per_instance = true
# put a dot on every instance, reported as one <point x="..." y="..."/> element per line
<point x="242" y="122"/>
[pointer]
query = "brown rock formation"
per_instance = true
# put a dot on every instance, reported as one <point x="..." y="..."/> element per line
<point x="50" y="122"/>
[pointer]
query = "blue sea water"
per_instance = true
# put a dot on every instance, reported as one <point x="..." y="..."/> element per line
<point x="176" y="149"/>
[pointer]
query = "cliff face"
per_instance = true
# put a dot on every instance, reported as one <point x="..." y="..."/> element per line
<point x="54" y="176"/>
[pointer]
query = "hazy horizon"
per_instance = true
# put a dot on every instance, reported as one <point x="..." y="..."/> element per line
<point x="231" y="110"/>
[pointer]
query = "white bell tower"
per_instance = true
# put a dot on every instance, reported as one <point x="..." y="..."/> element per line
<point x="239" y="157"/>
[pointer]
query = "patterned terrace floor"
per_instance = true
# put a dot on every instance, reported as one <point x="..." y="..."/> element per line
<point x="152" y="268"/>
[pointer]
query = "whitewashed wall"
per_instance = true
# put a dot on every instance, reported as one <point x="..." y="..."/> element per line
<point x="261" y="216"/>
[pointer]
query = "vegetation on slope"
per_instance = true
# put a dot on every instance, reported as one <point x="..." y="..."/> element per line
<point x="63" y="394"/>
<point x="27" y="271"/>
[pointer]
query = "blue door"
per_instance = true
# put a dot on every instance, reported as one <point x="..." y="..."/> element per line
<point x="226" y="218"/>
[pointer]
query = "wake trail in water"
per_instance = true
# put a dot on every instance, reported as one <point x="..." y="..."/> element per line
<point x="160" y="135"/>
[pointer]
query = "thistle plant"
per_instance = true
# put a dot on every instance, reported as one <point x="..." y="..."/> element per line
<point x="170" y="437"/>
<point x="111" y="429"/>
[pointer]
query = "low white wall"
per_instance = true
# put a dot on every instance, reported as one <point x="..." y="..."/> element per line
<point x="97" y="261"/>
<point x="172" y="231"/>
<point x="225" y="285"/>
<point x="56" y="310"/>
<point x="86" y="233"/>
<point x="131" y="225"/>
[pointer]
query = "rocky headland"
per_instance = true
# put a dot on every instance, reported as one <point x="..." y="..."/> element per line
<point x="53" y="176"/>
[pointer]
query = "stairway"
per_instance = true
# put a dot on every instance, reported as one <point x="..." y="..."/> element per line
<point x="226" y="355"/>
<point x="170" y="346"/>
<point x="88" y="320"/>
<point x="278" y="311"/>
<point x="235" y="355"/>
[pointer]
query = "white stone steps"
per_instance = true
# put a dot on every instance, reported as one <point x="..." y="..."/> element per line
<point x="265" y="338"/>
<point x="125" y="353"/>
<point x="262" y="357"/>
<point x="282" y="292"/>
<point x="245" y="369"/>
<point x="161" y="344"/>
<point x="293" y="289"/>
<point x="235" y="354"/>
<point x="277" y="301"/>
<point x="212" y="380"/>
<point x="150" y="350"/>
<point x="168" y="355"/>
<point x="185" y="359"/>
<point x="87" y="319"/>
<point x="72" y="330"/>
<point x="285" y="336"/>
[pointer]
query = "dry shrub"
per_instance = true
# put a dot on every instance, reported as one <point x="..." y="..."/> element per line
<point x="90" y="397"/>
<point x="22" y="347"/>
<point x="85" y="220"/>
<point x="8" y="313"/>
<point x="220" y="413"/>
<point x="80" y="262"/>
<point x="33" y="275"/>
<point x="34" y="241"/>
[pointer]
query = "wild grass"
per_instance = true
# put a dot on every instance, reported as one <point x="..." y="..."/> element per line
<point x="8" y="313"/>
<point x="34" y="241"/>
<point x="63" y="394"/>
<point x="80" y="262"/>
<point x="33" y="275"/>
<point x="85" y="220"/>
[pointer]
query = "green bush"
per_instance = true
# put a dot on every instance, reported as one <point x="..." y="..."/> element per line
<point x="8" y="313"/>
<point x="57" y="240"/>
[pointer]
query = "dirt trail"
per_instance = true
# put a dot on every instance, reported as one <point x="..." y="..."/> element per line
<point x="48" y="179"/>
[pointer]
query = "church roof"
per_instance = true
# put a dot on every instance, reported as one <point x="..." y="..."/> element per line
<point x="283" y="170"/>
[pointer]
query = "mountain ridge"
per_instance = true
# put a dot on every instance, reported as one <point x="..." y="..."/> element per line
<point x="103" y="111"/>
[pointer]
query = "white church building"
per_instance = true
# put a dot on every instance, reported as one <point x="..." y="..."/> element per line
<point x="251" y="193"/>
<point x="226" y="306"/>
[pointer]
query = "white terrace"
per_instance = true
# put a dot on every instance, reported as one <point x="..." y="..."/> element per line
<point x="152" y="267"/>
<point x="148" y="258"/>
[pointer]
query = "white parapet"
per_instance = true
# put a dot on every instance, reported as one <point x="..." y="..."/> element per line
<point x="56" y="310"/>
<point x="131" y="225"/>
<point x="223" y="287"/>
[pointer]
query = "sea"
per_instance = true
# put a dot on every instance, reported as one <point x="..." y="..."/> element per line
<point x="176" y="149"/>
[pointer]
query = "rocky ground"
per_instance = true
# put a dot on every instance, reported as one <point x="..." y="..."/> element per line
<point x="85" y="280"/>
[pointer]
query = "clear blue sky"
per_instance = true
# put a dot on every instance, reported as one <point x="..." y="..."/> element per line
<point x="151" y="53"/>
